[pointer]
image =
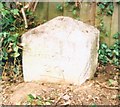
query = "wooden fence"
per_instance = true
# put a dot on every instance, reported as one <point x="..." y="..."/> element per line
<point x="87" y="12"/>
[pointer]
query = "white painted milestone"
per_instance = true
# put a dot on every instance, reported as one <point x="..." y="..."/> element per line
<point x="60" y="50"/>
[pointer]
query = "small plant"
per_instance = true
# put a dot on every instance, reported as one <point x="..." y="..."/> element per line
<point x="59" y="7"/>
<point x="30" y="98"/>
<point x="71" y="8"/>
<point x="93" y="105"/>
<point x="38" y="100"/>
<point x="110" y="54"/>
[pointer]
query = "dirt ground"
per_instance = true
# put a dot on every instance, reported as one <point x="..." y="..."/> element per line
<point x="103" y="89"/>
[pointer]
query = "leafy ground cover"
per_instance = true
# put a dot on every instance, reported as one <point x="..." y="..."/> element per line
<point x="103" y="89"/>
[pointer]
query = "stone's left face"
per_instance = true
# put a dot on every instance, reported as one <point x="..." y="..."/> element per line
<point x="60" y="50"/>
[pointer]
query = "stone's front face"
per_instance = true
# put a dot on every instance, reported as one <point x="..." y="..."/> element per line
<point x="61" y="50"/>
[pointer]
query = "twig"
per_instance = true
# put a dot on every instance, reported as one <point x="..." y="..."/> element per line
<point x="35" y="5"/>
<point x="29" y="5"/>
<point x="24" y="17"/>
<point x="59" y="98"/>
<point x="104" y="86"/>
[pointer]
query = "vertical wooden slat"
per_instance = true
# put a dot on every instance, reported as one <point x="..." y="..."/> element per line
<point x="84" y="12"/>
<point x="92" y="13"/>
<point x="68" y="10"/>
<point x="42" y="12"/>
<point x="87" y="12"/>
<point x="107" y="24"/>
<point x="114" y="26"/>
<point x="97" y="17"/>
<point x="53" y="12"/>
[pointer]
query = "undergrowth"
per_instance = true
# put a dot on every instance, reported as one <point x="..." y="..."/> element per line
<point x="110" y="54"/>
<point x="12" y="28"/>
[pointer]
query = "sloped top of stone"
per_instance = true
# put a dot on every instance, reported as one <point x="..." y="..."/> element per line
<point x="63" y="24"/>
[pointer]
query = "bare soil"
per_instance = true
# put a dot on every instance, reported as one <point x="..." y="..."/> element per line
<point x="103" y="89"/>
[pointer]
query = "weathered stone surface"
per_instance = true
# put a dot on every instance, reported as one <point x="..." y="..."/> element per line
<point x="63" y="49"/>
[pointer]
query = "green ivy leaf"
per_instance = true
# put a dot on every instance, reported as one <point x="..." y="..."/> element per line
<point x="15" y="55"/>
<point x="11" y="39"/>
<point x="110" y="55"/>
<point x="74" y="12"/>
<point x="39" y="97"/>
<point x="109" y="12"/>
<point x="116" y="52"/>
<point x="4" y="34"/>
<point x="104" y="46"/>
<point x="111" y="81"/>
<point x="15" y="11"/>
<point x="4" y="12"/>
<point x="12" y="28"/>
<point x="39" y="102"/>
<point x="15" y="48"/>
<point x="108" y="50"/>
<point x="93" y="105"/>
<point x="106" y="34"/>
<point x="5" y="54"/>
<point x="1" y="6"/>
<point x="111" y="7"/>
<point x="59" y="7"/>
<point x="116" y="35"/>
<point x="116" y="61"/>
<point x="101" y="6"/>
<point x="47" y="103"/>
<point x="16" y="69"/>
<point x="16" y="35"/>
<point x="30" y="98"/>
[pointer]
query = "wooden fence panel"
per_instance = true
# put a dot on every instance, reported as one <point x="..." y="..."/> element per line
<point x="87" y="12"/>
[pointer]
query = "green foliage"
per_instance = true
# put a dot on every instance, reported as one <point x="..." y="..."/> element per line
<point x="106" y="8"/>
<point x="59" y="7"/>
<point x="93" y="105"/>
<point x="38" y="100"/>
<point x="103" y="58"/>
<point x="107" y="54"/>
<point x="12" y="27"/>
<point x="117" y="35"/>
<point x="9" y="37"/>
<point x="30" y="98"/>
<point x="102" y="28"/>
<point x="69" y="6"/>
<point x="110" y="81"/>
<point x="110" y="54"/>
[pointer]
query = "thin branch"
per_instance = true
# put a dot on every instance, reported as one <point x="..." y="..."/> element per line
<point x="35" y="5"/>
<point x="24" y="17"/>
<point x="104" y="86"/>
